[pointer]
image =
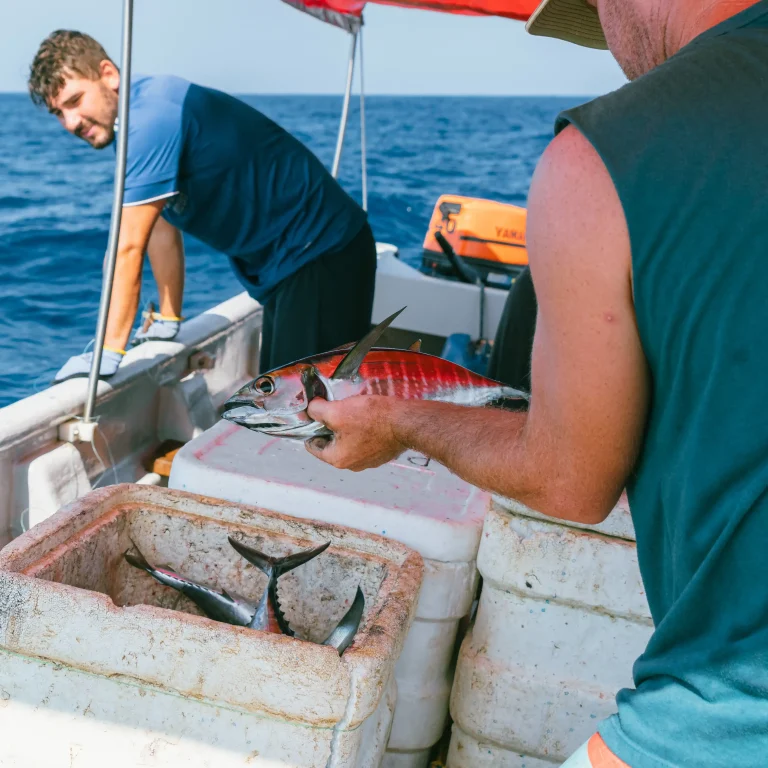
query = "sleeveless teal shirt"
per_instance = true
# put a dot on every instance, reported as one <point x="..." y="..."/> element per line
<point x="687" y="148"/>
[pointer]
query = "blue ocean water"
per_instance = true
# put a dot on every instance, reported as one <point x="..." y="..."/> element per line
<point x="55" y="200"/>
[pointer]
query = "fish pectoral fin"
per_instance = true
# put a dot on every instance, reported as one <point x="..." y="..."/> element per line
<point x="341" y="637"/>
<point x="350" y="363"/>
<point x="416" y="346"/>
<point x="235" y="597"/>
<point x="313" y="384"/>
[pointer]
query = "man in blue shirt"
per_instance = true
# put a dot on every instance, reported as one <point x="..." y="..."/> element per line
<point x="202" y="162"/>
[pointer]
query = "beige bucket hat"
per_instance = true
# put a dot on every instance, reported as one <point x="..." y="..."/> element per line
<point x="572" y="20"/>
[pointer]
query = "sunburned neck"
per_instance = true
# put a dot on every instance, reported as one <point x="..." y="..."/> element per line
<point x="687" y="20"/>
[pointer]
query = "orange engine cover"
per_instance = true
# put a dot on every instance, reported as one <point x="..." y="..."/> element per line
<point x="490" y="233"/>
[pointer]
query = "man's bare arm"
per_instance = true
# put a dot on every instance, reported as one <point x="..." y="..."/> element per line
<point x="166" y="255"/>
<point x="571" y="454"/>
<point x="136" y="226"/>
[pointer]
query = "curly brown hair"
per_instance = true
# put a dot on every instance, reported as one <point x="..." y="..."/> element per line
<point x="63" y="53"/>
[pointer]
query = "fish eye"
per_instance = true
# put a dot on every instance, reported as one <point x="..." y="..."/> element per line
<point x="264" y="385"/>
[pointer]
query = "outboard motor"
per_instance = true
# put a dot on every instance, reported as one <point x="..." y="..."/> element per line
<point x="487" y="235"/>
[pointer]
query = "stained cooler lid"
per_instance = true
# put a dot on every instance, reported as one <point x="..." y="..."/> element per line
<point x="412" y="499"/>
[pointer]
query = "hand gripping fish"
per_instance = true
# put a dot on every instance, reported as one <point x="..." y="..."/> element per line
<point x="241" y="612"/>
<point x="276" y="402"/>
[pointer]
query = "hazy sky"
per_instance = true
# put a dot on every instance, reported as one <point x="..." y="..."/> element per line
<point x="264" y="46"/>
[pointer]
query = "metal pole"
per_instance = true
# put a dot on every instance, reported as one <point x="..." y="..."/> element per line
<point x="364" y="169"/>
<point x="117" y="208"/>
<point x="345" y="109"/>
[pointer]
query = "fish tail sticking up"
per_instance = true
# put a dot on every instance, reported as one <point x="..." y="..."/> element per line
<point x="342" y="637"/>
<point x="137" y="560"/>
<point x="270" y="611"/>
<point x="274" y="567"/>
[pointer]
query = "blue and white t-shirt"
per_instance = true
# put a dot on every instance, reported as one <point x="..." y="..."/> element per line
<point x="235" y="180"/>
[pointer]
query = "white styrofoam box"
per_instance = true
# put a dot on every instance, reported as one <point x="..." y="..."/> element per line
<point x="410" y="759"/>
<point x="56" y="716"/>
<point x="413" y="500"/>
<point x="421" y="674"/>
<point x="561" y="619"/>
<point x="466" y="751"/>
<point x="92" y="659"/>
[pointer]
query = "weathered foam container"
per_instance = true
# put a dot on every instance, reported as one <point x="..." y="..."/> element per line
<point x="561" y="619"/>
<point x="95" y="669"/>
<point x="416" y="502"/>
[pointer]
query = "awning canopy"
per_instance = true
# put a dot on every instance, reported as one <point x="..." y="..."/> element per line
<point x="348" y="13"/>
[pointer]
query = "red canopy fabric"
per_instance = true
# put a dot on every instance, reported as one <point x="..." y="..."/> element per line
<point x="347" y="13"/>
<point x="509" y="9"/>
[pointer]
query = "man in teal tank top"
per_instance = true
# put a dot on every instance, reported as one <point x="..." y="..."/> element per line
<point x="648" y="243"/>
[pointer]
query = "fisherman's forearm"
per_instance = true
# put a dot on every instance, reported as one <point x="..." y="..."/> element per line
<point x="486" y="447"/>
<point x="126" y="290"/>
<point x="502" y="452"/>
<point x="166" y="255"/>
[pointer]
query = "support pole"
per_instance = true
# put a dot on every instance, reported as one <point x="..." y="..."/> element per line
<point x="345" y="109"/>
<point x="363" y="158"/>
<point x="117" y="208"/>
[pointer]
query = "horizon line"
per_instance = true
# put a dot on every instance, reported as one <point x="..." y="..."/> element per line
<point x="398" y="95"/>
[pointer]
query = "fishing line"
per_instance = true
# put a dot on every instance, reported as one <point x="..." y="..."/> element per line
<point x="106" y="466"/>
<point x="101" y="461"/>
<point x="109" y="453"/>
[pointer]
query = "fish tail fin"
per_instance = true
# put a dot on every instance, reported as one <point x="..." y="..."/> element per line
<point x="276" y="565"/>
<point x="344" y="633"/>
<point x="289" y="562"/>
<point x="263" y="562"/>
<point x="137" y="560"/>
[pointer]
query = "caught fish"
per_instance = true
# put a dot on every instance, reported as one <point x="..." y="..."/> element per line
<point x="220" y="606"/>
<point x="234" y="609"/>
<point x="276" y="402"/>
<point x="347" y="628"/>
<point x="269" y="614"/>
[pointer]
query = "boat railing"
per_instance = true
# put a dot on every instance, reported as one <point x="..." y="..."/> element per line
<point x="163" y="391"/>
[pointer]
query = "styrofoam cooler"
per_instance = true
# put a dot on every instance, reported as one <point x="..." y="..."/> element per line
<point x="95" y="670"/>
<point x="412" y="500"/>
<point x="561" y="619"/>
